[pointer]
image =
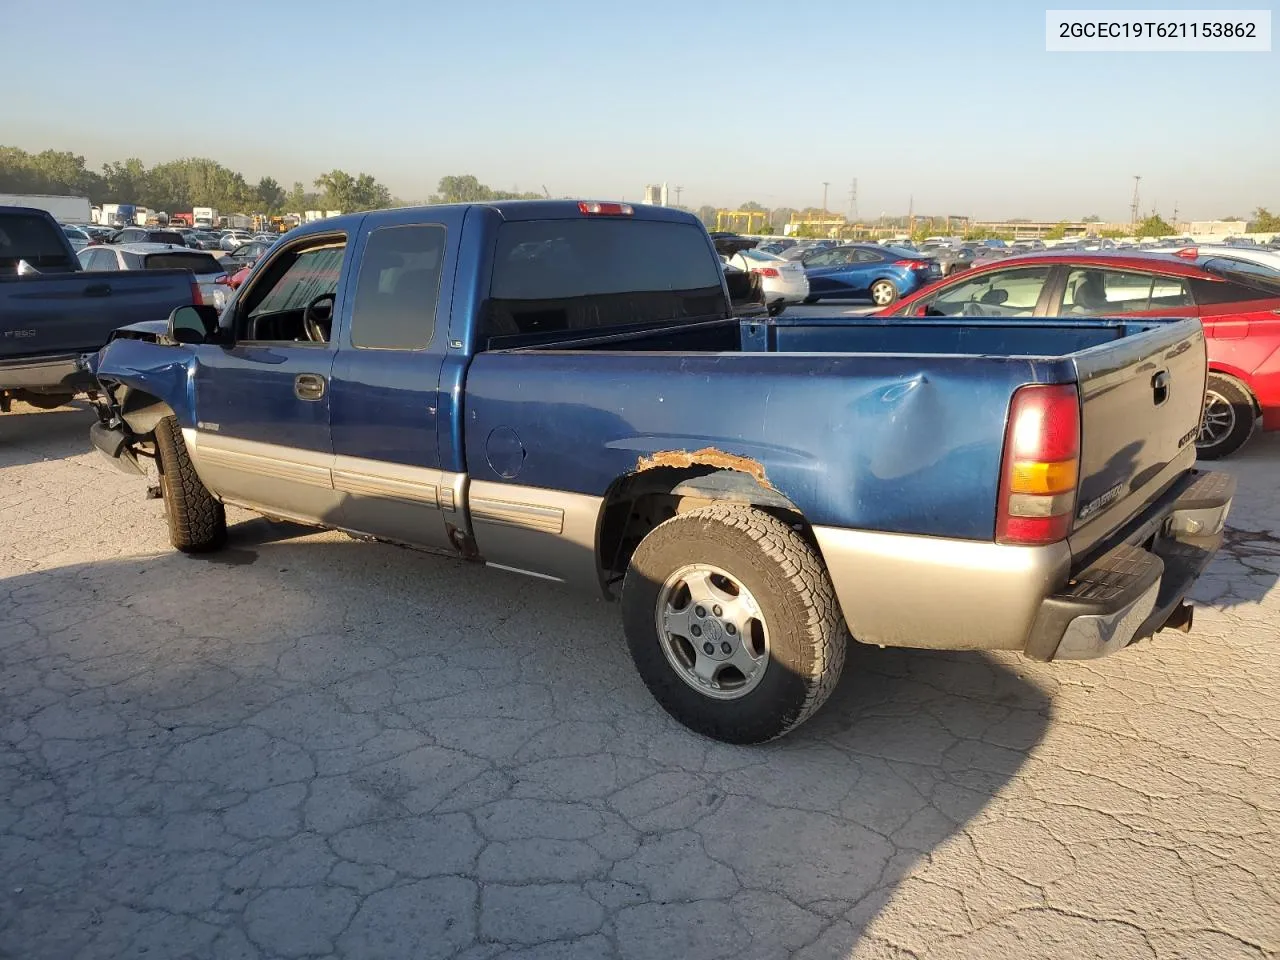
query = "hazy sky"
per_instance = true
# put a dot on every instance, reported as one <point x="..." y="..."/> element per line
<point x="956" y="104"/>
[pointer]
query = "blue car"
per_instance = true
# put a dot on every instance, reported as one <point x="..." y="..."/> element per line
<point x="865" y="271"/>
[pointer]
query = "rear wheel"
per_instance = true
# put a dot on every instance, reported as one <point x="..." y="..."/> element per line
<point x="733" y="623"/>
<point x="883" y="293"/>
<point x="197" y="522"/>
<point x="775" y="309"/>
<point x="1228" y="418"/>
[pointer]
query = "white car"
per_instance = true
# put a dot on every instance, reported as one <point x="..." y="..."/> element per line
<point x="234" y="238"/>
<point x="211" y="276"/>
<point x="784" y="281"/>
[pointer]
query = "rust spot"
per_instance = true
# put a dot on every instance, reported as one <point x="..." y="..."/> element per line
<point x="706" y="457"/>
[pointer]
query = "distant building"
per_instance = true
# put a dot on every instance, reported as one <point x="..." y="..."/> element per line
<point x="655" y="194"/>
<point x="1216" y="226"/>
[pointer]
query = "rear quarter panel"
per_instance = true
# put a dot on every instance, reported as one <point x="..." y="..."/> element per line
<point x="891" y="443"/>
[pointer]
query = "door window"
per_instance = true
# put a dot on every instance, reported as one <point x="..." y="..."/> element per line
<point x="866" y="256"/>
<point x="293" y="299"/>
<point x="1002" y="293"/>
<point x="397" y="289"/>
<point x="1093" y="292"/>
<point x="826" y="258"/>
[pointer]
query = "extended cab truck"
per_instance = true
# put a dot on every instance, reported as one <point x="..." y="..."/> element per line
<point x="561" y="389"/>
<point x="52" y="312"/>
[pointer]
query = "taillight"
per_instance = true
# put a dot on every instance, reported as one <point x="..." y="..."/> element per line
<point x="195" y="294"/>
<point x="592" y="208"/>
<point x="766" y="272"/>
<point x="1187" y="253"/>
<point x="223" y="279"/>
<point x="1041" y="466"/>
<point x="912" y="264"/>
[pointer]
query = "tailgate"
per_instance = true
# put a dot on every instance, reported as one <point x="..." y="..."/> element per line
<point x="53" y="314"/>
<point x="1142" y="397"/>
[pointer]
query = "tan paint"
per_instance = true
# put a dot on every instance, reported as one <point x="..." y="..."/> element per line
<point x="706" y="457"/>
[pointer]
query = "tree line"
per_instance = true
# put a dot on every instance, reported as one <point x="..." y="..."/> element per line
<point x="179" y="185"/>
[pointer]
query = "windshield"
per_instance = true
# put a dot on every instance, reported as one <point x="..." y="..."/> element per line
<point x="201" y="264"/>
<point x="755" y="254"/>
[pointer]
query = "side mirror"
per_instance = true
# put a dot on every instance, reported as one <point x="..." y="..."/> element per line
<point x="197" y="323"/>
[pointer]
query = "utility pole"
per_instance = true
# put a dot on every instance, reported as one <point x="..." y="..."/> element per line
<point x="1175" y="214"/>
<point x="825" y="184"/>
<point x="1133" y="207"/>
<point x="678" y="191"/>
<point x="911" y="215"/>
<point x="853" y="200"/>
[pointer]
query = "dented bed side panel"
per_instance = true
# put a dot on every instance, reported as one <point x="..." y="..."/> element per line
<point x="889" y="443"/>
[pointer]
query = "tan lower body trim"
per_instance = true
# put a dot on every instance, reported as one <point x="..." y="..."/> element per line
<point x="901" y="590"/>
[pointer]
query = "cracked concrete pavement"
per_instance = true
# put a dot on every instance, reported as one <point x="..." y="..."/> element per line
<point x="309" y="746"/>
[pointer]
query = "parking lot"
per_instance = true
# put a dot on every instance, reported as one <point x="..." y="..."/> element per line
<point x="312" y="746"/>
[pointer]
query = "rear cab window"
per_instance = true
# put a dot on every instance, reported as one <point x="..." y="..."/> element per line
<point x="25" y="236"/>
<point x="591" y="275"/>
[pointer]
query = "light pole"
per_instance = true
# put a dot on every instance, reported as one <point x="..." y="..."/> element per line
<point x="825" y="184"/>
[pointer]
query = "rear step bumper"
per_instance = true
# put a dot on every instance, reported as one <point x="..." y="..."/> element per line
<point x="1138" y="587"/>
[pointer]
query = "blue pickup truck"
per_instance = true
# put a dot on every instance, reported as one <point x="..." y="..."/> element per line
<point x="51" y="311"/>
<point x="562" y="389"/>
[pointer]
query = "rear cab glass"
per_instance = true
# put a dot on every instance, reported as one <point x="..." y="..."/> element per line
<point x="591" y="275"/>
<point x="33" y="238"/>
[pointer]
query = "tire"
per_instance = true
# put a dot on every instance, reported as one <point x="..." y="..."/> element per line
<point x="1229" y="415"/>
<point x="883" y="293"/>
<point x="799" y="620"/>
<point x="197" y="522"/>
<point x="775" y="310"/>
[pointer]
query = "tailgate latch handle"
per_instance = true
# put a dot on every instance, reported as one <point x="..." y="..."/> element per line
<point x="1160" y="387"/>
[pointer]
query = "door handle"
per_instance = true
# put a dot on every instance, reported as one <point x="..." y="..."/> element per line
<point x="308" y="386"/>
<point x="98" y="290"/>
<point x="1160" y="387"/>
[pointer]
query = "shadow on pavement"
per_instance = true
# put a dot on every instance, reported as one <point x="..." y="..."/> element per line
<point x="28" y="435"/>
<point x="348" y="748"/>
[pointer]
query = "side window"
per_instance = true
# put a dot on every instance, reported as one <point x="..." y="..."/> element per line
<point x="1003" y="293"/>
<point x="1091" y="292"/>
<point x="298" y="285"/>
<point x="824" y="259"/>
<point x="398" y="287"/>
<point x="867" y="256"/>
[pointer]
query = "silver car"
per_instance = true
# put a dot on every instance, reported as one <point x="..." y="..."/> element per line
<point x="209" y="272"/>
<point x="77" y="237"/>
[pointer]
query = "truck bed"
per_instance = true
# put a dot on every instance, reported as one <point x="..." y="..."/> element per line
<point x="1048" y="338"/>
<point x="886" y="424"/>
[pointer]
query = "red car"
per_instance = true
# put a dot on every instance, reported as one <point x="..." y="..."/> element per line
<point x="1239" y="305"/>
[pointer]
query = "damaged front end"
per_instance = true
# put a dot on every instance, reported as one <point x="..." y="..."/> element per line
<point x="139" y="381"/>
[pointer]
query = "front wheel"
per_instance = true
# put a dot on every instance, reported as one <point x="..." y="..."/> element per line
<point x="732" y="623"/>
<point x="883" y="293"/>
<point x="1228" y="418"/>
<point x="775" y="309"/>
<point x="197" y="522"/>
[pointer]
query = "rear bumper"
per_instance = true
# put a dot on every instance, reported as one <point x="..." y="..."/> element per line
<point x="62" y="373"/>
<point x="1135" y="588"/>
<point x="914" y="591"/>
